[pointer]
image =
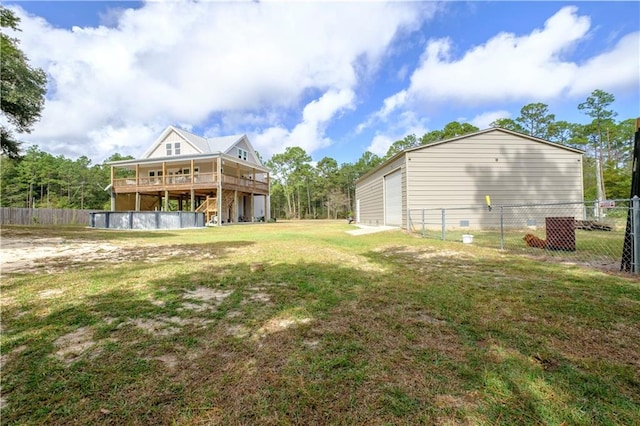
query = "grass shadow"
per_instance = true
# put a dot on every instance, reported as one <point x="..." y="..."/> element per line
<point x="407" y="334"/>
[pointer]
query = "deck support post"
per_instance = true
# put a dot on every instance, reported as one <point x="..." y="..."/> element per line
<point x="267" y="209"/>
<point x="234" y="208"/>
<point x="219" y="191"/>
<point x="251" y="208"/>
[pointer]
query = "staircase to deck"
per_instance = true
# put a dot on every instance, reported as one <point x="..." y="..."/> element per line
<point x="210" y="206"/>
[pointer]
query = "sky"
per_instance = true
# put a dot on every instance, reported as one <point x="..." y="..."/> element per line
<point x="334" y="78"/>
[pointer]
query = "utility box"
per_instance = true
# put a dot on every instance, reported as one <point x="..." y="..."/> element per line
<point x="561" y="233"/>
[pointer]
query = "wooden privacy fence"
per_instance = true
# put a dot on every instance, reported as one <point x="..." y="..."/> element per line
<point x="27" y="216"/>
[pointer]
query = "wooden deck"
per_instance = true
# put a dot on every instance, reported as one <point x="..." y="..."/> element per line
<point x="201" y="181"/>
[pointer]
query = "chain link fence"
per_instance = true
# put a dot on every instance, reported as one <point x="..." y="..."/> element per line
<point x="589" y="233"/>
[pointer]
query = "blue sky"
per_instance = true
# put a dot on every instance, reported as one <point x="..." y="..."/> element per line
<point x="334" y="78"/>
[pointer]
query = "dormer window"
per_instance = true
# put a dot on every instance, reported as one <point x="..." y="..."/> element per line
<point x="242" y="154"/>
<point x="173" y="149"/>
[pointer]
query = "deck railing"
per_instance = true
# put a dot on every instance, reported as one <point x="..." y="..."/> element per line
<point x="196" y="180"/>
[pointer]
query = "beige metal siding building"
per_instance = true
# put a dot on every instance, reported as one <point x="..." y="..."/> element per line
<point x="379" y="200"/>
<point x="511" y="168"/>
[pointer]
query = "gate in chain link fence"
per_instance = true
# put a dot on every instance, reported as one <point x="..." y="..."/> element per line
<point x="590" y="233"/>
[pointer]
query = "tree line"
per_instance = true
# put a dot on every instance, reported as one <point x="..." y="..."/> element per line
<point x="300" y="188"/>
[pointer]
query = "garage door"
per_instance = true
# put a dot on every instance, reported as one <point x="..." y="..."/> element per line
<point x="393" y="199"/>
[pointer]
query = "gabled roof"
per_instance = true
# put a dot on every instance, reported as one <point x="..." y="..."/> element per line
<point x="494" y="129"/>
<point x="202" y="145"/>
<point x="210" y="145"/>
<point x="444" y="141"/>
<point x="224" y="143"/>
<point x="220" y="146"/>
<point x="198" y="142"/>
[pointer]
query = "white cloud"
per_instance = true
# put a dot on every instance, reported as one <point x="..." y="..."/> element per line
<point x="405" y="123"/>
<point x="484" y="120"/>
<point x="380" y="144"/>
<point x="171" y="62"/>
<point x="615" y="69"/>
<point x="506" y="67"/>
<point x="390" y="104"/>
<point x="309" y="133"/>
<point x="509" y="68"/>
<point x="393" y="102"/>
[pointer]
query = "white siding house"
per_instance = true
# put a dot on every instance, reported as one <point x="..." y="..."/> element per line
<point x="510" y="167"/>
<point x="220" y="176"/>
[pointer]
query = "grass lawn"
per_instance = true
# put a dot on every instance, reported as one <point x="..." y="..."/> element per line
<point x="301" y="323"/>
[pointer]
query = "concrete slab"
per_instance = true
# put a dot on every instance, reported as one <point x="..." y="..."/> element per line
<point x="366" y="229"/>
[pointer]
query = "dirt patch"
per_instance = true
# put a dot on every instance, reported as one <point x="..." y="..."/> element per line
<point x="169" y="361"/>
<point x="154" y="327"/>
<point x="48" y="294"/>
<point x="206" y="294"/>
<point x="32" y="254"/>
<point x="260" y="297"/>
<point x="19" y="255"/>
<point x="164" y="326"/>
<point x="239" y="331"/>
<point x="209" y="298"/>
<point x="72" y="345"/>
<point x="278" y="324"/>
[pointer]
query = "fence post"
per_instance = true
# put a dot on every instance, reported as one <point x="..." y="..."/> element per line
<point x="501" y="227"/>
<point x="635" y="203"/>
<point x="444" y="224"/>
<point x="422" y="223"/>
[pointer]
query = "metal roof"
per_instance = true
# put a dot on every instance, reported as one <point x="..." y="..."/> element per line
<point x="444" y="141"/>
<point x="209" y="145"/>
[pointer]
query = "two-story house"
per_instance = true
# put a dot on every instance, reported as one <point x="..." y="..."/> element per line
<point x="221" y="176"/>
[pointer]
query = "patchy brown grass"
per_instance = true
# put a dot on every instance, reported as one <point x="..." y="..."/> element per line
<point x="301" y="323"/>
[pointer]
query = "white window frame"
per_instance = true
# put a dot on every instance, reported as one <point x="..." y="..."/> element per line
<point x="168" y="146"/>
<point x="242" y="154"/>
<point x="177" y="148"/>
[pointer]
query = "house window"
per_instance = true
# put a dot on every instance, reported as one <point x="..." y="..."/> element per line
<point x="176" y="148"/>
<point x="185" y="171"/>
<point x="242" y="154"/>
<point x="196" y="170"/>
<point x="168" y="147"/>
<point x="152" y="173"/>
